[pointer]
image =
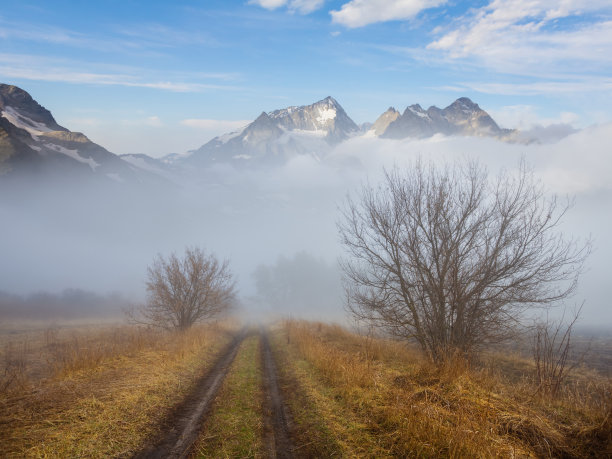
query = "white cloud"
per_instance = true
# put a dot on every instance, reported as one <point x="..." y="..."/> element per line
<point x="532" y="125"/>
<point x="533" y="37"/>
<point x="554" y="85"/>
<point x="358" y="13"/>
<point x="40" y="68"/>
<point x="526" y="117"/>
<point x="214" y="125"/>
<point x="301" y="6"/>
<point x="268" y="4"/>
<point x="306" y="6"/>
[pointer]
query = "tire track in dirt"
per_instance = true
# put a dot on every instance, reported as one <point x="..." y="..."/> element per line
<point x="185" y="423"/>
<point x="278" y="441"/>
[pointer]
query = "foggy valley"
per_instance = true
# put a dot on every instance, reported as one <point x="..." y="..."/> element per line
<point x="305" y="229"/>
<point x="70" y="232"/>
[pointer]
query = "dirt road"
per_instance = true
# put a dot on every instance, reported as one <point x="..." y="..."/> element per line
<point x="276" y="419"/>
<point x="183" y="426"/>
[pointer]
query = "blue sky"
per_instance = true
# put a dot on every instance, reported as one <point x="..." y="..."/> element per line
<point x="160" y="77"/>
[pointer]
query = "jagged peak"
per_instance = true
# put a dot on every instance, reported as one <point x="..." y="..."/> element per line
<point x="20" y="100"/>
<point x="415" y="110"/>
<point x="329" y="100"/>
<point x="464" y="103"/>
<point x="14" y="95"/>
<point x="321" y="113"/>
<point x="263" y="116"/>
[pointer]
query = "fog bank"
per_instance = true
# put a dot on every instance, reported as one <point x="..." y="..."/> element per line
<point x="55" y="236"/>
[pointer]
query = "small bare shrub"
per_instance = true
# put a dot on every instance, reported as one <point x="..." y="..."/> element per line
<point x="184" y="291"/>
<point x="552" y="354"/>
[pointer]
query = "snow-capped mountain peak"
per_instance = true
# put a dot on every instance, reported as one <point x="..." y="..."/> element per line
<point x="31" y="142"/>
<point x="326" y="115"/>
<point x="274" y="136"/>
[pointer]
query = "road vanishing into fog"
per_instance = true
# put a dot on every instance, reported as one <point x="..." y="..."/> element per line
<point x="183" y="426"/>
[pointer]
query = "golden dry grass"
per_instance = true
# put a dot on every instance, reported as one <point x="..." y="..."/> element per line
<point x="100" y="393"/>
<point x="379" y="398"/>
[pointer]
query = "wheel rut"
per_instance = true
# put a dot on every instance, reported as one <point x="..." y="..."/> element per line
<point x="184" y="425"/>
<point x="276" y="420"/>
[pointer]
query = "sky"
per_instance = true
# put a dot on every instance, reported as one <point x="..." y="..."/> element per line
<point x="161" y="77"/>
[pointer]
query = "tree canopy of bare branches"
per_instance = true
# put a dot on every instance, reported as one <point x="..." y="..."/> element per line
<point x="451" y="258"/>
<point x="183" y="291"/>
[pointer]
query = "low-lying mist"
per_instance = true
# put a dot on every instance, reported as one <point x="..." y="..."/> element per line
<point x="277" y="226"/>
<point x="69" y="304"/>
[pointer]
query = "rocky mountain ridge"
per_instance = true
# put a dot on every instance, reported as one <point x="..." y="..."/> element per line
<point x="462" y="117"/>
<point x="32" y="141"/>
<point x="314" y="129"/>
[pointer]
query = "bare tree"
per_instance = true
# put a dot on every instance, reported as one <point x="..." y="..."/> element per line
<point x="181" y="292"/>
<point x="452" y="259"/>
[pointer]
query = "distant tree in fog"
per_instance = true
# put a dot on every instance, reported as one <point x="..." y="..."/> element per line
<point x="451" y="258"/>
<point x="183" y="291"/>
<point x="301" y="285"/>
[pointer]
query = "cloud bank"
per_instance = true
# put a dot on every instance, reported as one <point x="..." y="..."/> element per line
<point x="536" y="38"/>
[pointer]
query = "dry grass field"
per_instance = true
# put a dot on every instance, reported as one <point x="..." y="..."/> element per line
<point x="110" y="390"/>
<point x="96" y="391"/>
<point x="370" y="397"/>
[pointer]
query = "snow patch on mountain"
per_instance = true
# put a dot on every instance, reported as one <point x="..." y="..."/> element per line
<point x="74" y="154"/>
<point x="326" y="114"/>
<point x="416" y="111"/>
<point x="21" y="121"/>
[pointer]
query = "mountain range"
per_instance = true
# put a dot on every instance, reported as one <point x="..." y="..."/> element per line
<point x="462" y="117"/>
<point x="31" y="142"/>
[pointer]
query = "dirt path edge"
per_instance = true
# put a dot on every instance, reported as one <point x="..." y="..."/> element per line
<point x="185" y="423"/>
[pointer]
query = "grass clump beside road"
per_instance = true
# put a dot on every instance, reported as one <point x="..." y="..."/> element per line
<point x="378" y="398"/>
<point x="109" y="395"/>
<point x="235" y="425"/>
